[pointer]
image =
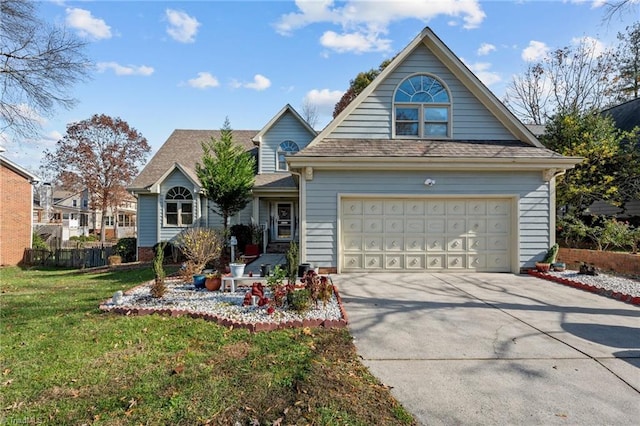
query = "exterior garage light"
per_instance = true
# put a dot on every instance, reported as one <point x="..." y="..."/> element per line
<point x="430" y="182"/>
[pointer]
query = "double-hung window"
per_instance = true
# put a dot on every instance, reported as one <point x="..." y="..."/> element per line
<point x="286" y="148"/>
<point x="422" y="108"/>
<point x="178" y="207"/>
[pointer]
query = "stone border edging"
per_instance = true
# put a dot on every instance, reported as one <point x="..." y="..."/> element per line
<point x="227" y="322"/>
<point x="586" y="287"/>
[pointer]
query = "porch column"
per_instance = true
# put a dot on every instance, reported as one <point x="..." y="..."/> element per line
<point x="255" y="216"/>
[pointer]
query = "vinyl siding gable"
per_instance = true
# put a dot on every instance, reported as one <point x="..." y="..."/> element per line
<point x="373" y="118"/>
<point x="286" y="128"/>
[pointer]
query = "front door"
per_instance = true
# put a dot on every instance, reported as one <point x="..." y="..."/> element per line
<point x="284" y="221"/>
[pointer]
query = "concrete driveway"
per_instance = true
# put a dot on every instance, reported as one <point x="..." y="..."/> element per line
<point x="497" y="348"/>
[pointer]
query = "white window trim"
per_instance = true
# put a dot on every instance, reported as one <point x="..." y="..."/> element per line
<point x="280" y="151"/>
<point x="180" y="202"/>
<point x="421" y="108"/>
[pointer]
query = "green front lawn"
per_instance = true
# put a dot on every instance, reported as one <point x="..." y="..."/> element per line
<point x="63" y="361"/>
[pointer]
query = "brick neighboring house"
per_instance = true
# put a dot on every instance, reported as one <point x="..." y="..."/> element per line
<point x="16" y="211"/>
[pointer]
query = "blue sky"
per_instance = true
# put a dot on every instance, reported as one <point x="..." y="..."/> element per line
<point x="162" y="65"/>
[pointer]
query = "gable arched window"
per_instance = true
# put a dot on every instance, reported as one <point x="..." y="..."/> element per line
<point x="422" y="108"/>
<point x="286" y="148"/>
<point x="178" y="207"/>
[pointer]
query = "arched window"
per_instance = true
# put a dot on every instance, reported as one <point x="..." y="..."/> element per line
<point x="286" y="148"/>
<point x="178" y="207"/>
<point x="422" y="108"/>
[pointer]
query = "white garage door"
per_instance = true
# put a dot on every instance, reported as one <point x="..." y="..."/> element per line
<point x="393" y="234"/>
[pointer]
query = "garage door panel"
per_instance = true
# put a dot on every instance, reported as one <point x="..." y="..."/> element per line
<point x="394" y="243"/>
<point x="448" y="234"/>
<point x="414" y="208"/>
<point x="456" y="244"/>
<point x="497" y="226"/>
<point x="373" y="207"/>
<point x="436" y="243"/>
<point x="415" y="243"/>
<point x="352" y="225"/>
<point x="353" y="261"/>
<point x="415" y="226"/>
<point x="477" y="261"/>
<point x="394" y="207"/>
<point x="373" y="243"/>
<point x="476" y="225"/>
<point x="353" y="243"/>
<point x="436" y="261"/>
<point x="476" y="244"/>
<point x="373" y="261"/>
<point x="373" y="225"/>
<point x="456" y="226"/>
<point x="435" y="226"/>
<point x="394" y="261"/>
<point x="394" y="225"/>
<point x="455" y="207"/>
<point x="352" y="207"/>
<point x="477" y="207"/>
<point x="415" y="262"/>
<point x="435" y="207"/>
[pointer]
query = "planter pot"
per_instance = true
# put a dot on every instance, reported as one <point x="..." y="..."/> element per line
<point x="199" y="280"/>
<point x="237" y="269"/>
<point x="559" y="266"/>
<point x="213" y="284"/>
<point x="543" y="267"/>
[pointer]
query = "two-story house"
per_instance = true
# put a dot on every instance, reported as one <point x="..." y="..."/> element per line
<point x="426" y="170"/>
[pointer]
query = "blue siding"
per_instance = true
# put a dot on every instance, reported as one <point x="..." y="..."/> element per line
<point x="323" y="191"/>
<point x="286" y="128"/>
<point x="373" y="117"/>
<point x="147" y="220"/>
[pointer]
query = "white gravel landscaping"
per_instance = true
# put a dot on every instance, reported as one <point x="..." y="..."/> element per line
<point x="183" y="296"/>
<point x="612" y="283"/>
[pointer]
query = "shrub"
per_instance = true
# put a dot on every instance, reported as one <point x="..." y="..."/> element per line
<point x="126" y="248"/>
<point x="158" y="288"/>
<point x="299" y="300"/>
<point x="200" y="246"/>
<point x="37" y="242"/>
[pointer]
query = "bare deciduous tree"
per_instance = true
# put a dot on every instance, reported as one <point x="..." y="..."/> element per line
<point x="310" y="113"/>
<point x="628" y="64"/>
<point x="103" y="154"/>
<point x="38" y="65"/>
<point x="577" y="78"/>
<point x="618" y="7"/>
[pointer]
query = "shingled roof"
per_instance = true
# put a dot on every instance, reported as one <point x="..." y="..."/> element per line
<point x="425" y="148"/>
<point x="185" y="148"/>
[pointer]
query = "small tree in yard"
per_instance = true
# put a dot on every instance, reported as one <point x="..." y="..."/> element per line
<point x="227" y="174"/>
<point x="101" y="154"/>
<point x="158" y="288"/>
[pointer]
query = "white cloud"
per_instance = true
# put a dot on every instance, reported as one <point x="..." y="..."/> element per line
<point x="125" y="70"/>
<point x="536" y="51"/>
<point x="259" y="83"/>
<point x="482" y="71"/>
<point x="182" y="27"/>
<point x="367" y="21"/>
<point x="204" y="80"/>
<point x="485" y="49"/>
<point x="594" y="44"/>
<point x="87" y="25"/>
<point x="323" y="97"/>
<point x="354" y="42"/>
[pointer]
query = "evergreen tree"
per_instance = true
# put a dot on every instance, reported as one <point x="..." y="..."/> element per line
<point x="227" y="174"/>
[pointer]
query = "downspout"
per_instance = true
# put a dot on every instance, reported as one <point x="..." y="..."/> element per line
<point x="302" y="217"/>
<point x="552" y="205"/>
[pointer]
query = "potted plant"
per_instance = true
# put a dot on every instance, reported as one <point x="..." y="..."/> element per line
<point x="213" y="281"/>
<point x="549" y="258"/>
<point x="237" y="268"/>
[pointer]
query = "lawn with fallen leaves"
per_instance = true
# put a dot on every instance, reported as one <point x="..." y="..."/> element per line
<point x="63" y="361"/>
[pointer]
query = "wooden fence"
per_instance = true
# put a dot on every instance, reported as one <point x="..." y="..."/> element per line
<point x="70" y="258"/>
